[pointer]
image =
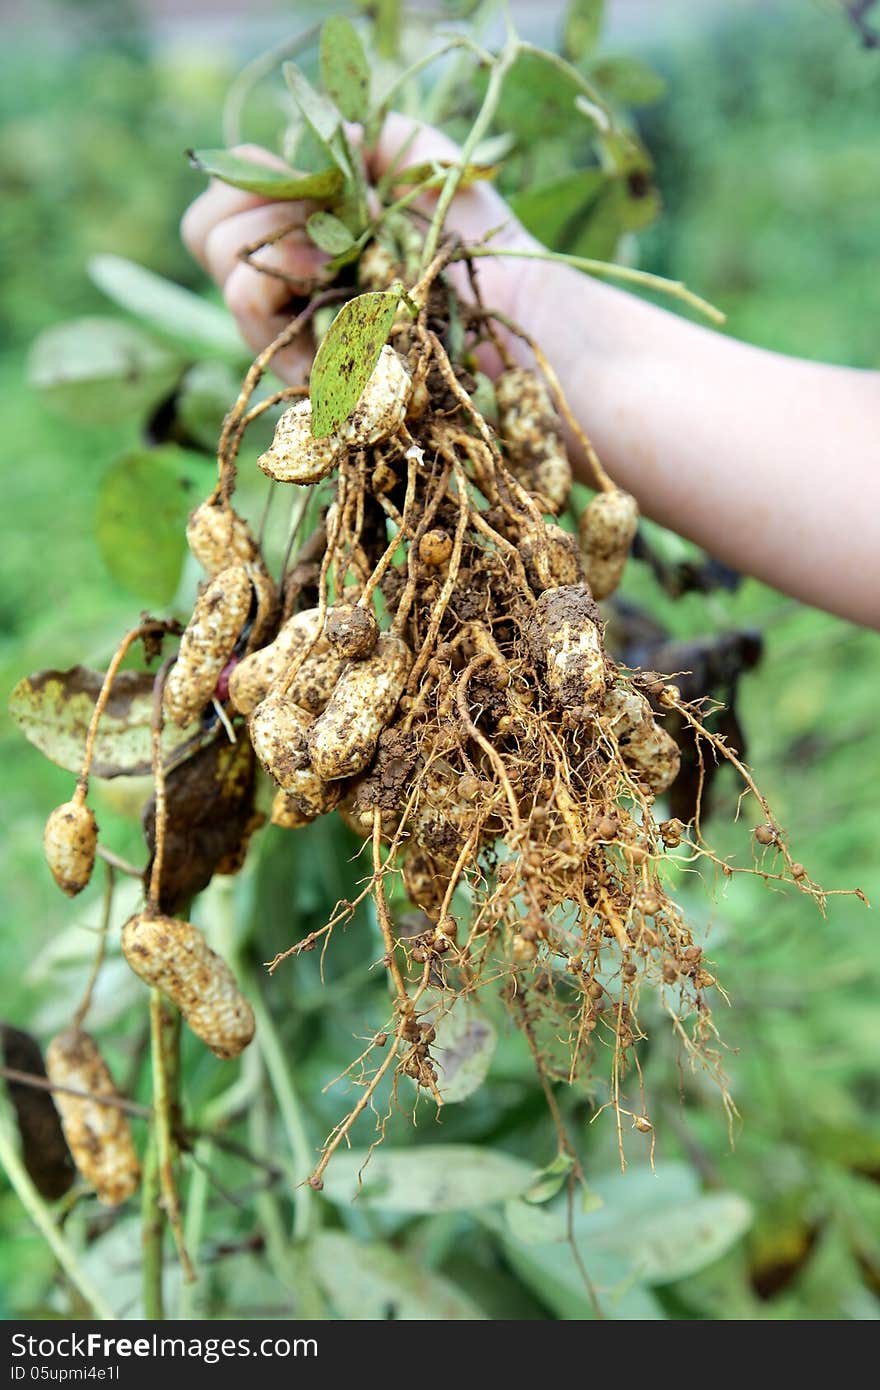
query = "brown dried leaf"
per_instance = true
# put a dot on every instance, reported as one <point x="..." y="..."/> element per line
<point x="44" y="1150"/>
<point x="210" y="818"/>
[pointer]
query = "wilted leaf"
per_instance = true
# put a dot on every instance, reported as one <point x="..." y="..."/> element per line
<point x="210" y="800"/>
<point x="583" y="25"/>
<point x="101" y="370"/>
<point x="418" y="173"/>
<point x="345" y="71"/>
<point x="370" y="1282"/>
<point x="143" y="503"/>
<point x="53" y="709"/>
<point x="430" y="1178"/>
<point x="44" y="1150"/>
<point x="329" y="234"/>
<point x="249" y="174"/>
<point x="168" y="307"/>
<point x="346" y="358"/>
<point x="462" y="1049"/>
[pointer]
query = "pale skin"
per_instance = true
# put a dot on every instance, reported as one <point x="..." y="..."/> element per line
<point x="770" y="463"/>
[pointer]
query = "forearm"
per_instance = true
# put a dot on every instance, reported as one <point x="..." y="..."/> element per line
<point x="771" y="463"/>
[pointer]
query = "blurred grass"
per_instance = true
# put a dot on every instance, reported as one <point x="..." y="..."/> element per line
<point x="769" y="165"/>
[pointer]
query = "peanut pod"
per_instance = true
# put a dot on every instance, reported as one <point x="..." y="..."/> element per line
<point x="219" y="615"/>
<point x="343" y="739"/>
<point x="70" y="840"/>
<point x="98" y="1135"/>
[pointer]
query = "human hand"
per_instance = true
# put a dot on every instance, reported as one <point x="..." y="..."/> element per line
<point x="223" y="222"/>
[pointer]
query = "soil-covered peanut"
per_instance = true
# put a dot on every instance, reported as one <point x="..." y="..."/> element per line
<point x="552" y="558"/>
<point x="174" y="957"/>
<point x="424" y="881"/>
<point x="352" y="631"/>
<point x="529" y="426"/>
<point x="218" y="537"/>
<point x="377" y="266"/>
<point x="220" y="613"/>
<point x="381" y="410"/>
<point x="435" y="547"/>
<point x="343" y="739"/>
<point x="644" y="744"/>
<point x="286" y="813"/>
<point x="295" y="456"/>
<point x="70" y="840"/>
<point x="607" y="528"/>
<point x="313" y="684"/>
<point x="565" y="638"/>
<point x="98" y="1136"/>
<point x="279" y="732"/>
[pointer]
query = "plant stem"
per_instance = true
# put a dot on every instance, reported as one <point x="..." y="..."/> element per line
<point x="502" y="66"/>
<point x="42" y="1218"/>
<point x="603" y="270"/>
<point x="152" y="1232"/>
<point x="165" y="1051"/>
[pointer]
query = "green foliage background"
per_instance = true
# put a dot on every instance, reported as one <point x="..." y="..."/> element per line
<point x="768" y="164"/>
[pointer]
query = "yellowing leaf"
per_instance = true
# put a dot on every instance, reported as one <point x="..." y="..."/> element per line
<point x="53" y="710"/>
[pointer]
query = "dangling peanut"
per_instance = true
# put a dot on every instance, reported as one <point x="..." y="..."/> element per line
<point x="71" y="844"/>
<point x="607" y="529"/>
<point x="218" y="537"/>
<point x="175" y="958"/>
<point x="530" y="428"/>
<point x="343" y="739"/>
<point x="98" y="1135"/>
<point x="220" y="613"/>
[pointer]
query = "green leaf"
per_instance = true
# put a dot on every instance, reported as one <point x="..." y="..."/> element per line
<point x="429" y="1178"/>
<point x="462" y="1050"/>
<point x="556" y="1277"/>
<point x="551" y="210"/>
<point x="550" y="1179"/>
<point x="318" y="112"/>
<point x="329" y="234"/>
<point x="249" y="174"/>
<point x="206" y="394"/>
<point x="671" y="1241"/>
<point x="143" y="503"/>
<point x="368" y="1282"/>
<point x="53" y="710"/>
<point x="628" y="80"/>
<point x="583" y="25"/>
<point x="101" y="370"/>
<point x="345" y="360"/>
<point x="538" y="96"/>
<point x="166" y="306"/>
<point x="345" y="71"/>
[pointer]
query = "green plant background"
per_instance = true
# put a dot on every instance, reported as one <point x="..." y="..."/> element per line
<point x="768" y="164"/>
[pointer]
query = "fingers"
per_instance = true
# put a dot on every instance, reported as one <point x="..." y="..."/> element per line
<point x="220" y="201"/>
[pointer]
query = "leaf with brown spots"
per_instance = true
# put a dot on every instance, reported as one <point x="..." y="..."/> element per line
<point x="210" y="819"/>
<point x="345" y="71"/>
<point x="347" y="356"/>
<point x="53" y="710"/>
